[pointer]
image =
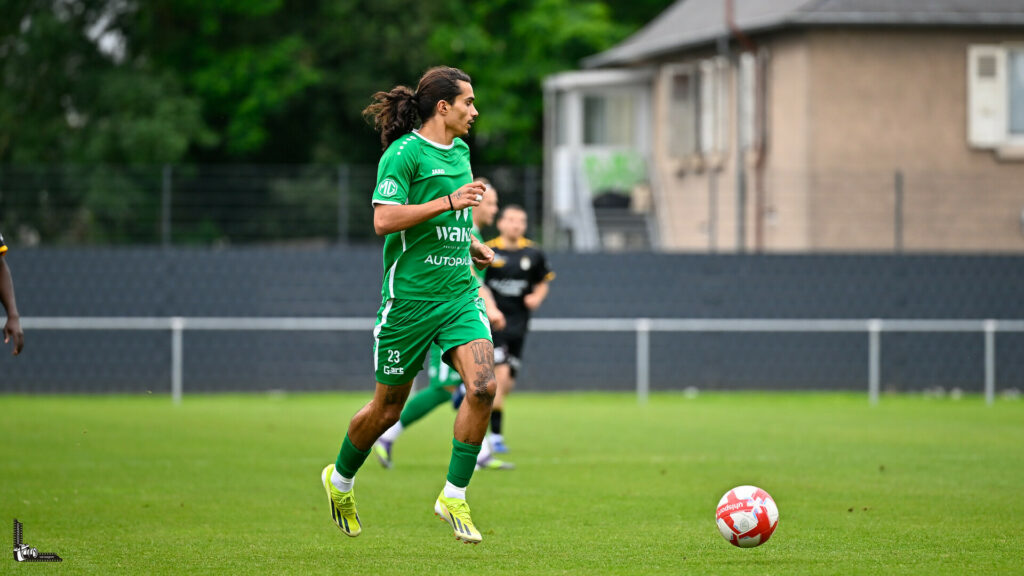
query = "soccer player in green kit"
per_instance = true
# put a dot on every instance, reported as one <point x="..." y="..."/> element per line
<point x="444" y="380"/>
<point x="423" y="202"/>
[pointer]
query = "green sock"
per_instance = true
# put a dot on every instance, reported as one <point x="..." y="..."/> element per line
<point x="463" y="462"/>
<point x="422" y="403"/>
<point x="350" y="458"/>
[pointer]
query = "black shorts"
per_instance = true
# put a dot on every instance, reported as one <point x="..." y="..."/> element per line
<point x="508" y="349"/>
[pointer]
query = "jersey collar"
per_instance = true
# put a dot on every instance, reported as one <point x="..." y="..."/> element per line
<point x="432" y="143"/>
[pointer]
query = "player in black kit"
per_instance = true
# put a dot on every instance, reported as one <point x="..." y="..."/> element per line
<point x="518" y="278"/>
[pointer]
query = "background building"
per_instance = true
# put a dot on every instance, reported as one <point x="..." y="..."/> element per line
<point x="859" y="126"/>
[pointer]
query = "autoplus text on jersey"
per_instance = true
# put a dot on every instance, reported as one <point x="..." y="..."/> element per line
<point x="447" y="261"/>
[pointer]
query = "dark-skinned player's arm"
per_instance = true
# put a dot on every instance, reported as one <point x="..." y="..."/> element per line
<point x="12" y="329"/>
<point x="391" y="218"/>
<point x="539" y="291"/>
<point x="534" y="299"/>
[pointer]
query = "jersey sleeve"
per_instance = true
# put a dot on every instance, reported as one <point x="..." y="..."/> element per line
<point x="542" y="271"/>
<point x="394" y="177"/>
<point x="3" y="247"/>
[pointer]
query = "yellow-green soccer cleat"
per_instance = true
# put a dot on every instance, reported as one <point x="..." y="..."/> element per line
<point x="343" y="505"/>
<point x="382" y="450"/>
<point x="492" y="463"/>
<point x="455" y="512"/>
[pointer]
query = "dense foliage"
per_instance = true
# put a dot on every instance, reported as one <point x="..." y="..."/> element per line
<point x="282" y="81"/>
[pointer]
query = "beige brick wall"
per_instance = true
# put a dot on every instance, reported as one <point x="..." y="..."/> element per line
<point x="887" y="100"/>
<point x="846" y="109"/>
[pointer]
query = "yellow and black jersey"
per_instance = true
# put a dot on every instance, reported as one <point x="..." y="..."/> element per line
<point x="512" y="275"/>
<point x="3" y="246"/>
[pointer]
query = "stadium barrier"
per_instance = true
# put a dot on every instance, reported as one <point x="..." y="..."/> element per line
<point x="642" y="327"/>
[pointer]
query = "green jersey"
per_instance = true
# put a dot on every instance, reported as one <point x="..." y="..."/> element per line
<point x="477" y="273"/>
<point x="430" y="260"/>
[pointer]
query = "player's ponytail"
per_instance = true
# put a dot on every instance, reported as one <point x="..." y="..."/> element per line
<point x="393" y="113"/>
<point x="397" y="112"/>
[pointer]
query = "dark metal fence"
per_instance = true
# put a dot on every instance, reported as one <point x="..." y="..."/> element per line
<point x="209" y="205"/>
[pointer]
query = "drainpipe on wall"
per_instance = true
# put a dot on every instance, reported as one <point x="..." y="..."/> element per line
<point x="760" y="144"/>
<point x="745" y="44"/>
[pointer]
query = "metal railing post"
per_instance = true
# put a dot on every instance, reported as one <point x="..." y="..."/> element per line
<point x="643" y="359"/>
<point x="990" y="361"/>
<point x="177" y="357"/>
<point x="530" y="189"/>
<point x="713" y="211"/>
<point x="343" y="190"/>
<point x="642" y="327"/>
<point x="898" y="211"/>
<point x="165" y="205"/>
<point x="874" y="359"/>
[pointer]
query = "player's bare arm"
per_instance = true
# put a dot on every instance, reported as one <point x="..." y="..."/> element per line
<point x="391" y="218"/>
<point x="12" y="329"/>
<point x="481" y="253"/>
<point x="534" y="299"/>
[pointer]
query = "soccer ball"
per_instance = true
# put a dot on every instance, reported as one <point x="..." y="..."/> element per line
<point x="747" y="516"/>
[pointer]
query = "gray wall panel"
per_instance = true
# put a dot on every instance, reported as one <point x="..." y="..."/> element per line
<point x="253" y="282"/>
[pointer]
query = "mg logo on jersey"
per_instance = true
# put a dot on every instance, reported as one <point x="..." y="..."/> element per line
<point x="387" y="188"/>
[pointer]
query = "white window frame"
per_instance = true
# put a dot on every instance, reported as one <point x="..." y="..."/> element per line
<point x="988" y="100"/>
<point x="712" y="89"/>
<point x="748" y="101"/>
<point x="1015" y="140"/>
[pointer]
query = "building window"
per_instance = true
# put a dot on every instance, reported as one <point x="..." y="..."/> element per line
<point x="995" y="96"/>
<point x="697" y="96"/>
<point x="713" y="102"/>
<point x="608" y="119"/>
<point x="682" y="112"/>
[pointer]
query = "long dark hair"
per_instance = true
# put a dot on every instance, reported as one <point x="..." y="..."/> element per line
<point x="396" y="112"/>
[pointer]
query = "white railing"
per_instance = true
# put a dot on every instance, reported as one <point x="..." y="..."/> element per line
<point x="642" y="327"/>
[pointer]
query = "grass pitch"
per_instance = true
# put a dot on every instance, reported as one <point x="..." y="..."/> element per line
<point x="231" y="485"/>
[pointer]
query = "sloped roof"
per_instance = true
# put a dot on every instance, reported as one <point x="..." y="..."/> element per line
<point x="694" y="22"/>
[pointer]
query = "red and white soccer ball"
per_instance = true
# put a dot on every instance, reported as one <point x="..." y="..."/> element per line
<point x="747" y="516"/>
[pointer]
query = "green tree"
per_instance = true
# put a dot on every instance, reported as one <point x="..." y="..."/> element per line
<point x="74" y="91"/>
<point x="508" y="47"/>
<point x="90" y="83"/>
<point x="246" y="61"/>
<point x="360" y="47"/>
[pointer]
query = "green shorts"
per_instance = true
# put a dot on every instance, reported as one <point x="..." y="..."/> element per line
<point x="406" y="329"/>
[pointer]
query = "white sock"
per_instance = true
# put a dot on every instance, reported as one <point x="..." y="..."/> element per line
<point x="392" y="434"/>
<point x="497" y="438"/>
<point x="485" y="452"/>
<point x="340" y="482"/>
<point x="453" y="491"/>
